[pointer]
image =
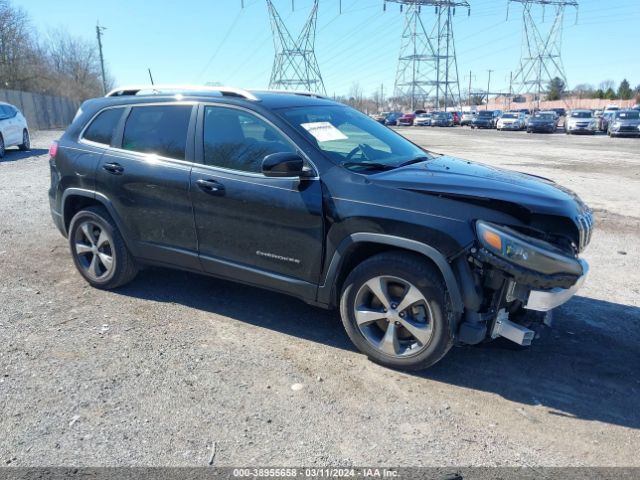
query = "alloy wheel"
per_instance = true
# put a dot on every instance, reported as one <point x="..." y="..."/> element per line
<point x="93" y="248"/>
<point x="393" y="316"/>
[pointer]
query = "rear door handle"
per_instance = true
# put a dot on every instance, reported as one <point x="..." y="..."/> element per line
<point x="210" y="186"/>
<point x="114" y="168"/>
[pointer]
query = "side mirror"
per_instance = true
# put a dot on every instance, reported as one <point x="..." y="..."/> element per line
<point x="284" y="164"/>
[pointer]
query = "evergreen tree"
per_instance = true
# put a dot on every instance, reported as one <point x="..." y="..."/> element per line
<point x="624" y="90"/>
<point x="555" y="89"/>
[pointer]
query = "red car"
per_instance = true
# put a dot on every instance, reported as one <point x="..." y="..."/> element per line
<point x="456" y="118"/>
<point x="407" y="119"/>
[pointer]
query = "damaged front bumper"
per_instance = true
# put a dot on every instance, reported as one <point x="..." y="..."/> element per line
<point x="498" y="292"/>
<point x="546" y="300"/>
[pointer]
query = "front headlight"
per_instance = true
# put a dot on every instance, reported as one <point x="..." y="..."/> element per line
<point x="525" y="251"/>
<point x="617" y="125"/>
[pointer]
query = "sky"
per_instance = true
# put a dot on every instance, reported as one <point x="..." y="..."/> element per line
<point x="192" y="41"/>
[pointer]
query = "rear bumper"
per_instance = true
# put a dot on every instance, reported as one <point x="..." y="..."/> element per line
<point x="545" y="300"/>
<point x="58" y="221"/>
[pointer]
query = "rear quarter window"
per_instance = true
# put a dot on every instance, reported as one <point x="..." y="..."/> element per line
<point x="102" y="128"/>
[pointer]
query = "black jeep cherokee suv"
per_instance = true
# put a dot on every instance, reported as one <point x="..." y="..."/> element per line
<point x="305" y="196"/>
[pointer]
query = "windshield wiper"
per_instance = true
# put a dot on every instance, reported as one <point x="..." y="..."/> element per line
<point x="420" y="159"/>
<point x="368" y="165"/>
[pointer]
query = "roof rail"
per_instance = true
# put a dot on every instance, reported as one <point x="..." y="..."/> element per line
<point x="176" y="89"/>
<point x="292" y="92"/>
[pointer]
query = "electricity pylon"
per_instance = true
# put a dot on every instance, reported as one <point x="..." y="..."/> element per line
<point x="541" y="59"/>
<point x="295" y="65"/>
<point x="427" y="64"/>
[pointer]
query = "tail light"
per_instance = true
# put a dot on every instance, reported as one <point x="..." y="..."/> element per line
<point x="53" y="150"/>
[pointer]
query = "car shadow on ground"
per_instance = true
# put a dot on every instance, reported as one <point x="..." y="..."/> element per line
<point x="13" y="155"/>
<point x="587" y="368"/>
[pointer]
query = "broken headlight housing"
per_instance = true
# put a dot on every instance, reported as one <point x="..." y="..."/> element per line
<point x="525" y="251"/>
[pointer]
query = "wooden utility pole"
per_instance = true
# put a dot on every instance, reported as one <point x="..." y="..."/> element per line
<point x="99" y="31"/>
<point x="488" y="90"/>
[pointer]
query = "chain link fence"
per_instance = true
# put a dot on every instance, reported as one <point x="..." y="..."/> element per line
<point x="42" y="112"/>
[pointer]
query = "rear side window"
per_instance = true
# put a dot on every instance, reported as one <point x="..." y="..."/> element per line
<point x="103" y="127"/>
<point x="159" y="129"/>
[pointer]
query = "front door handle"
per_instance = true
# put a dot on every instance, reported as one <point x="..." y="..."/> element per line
<point x="210" y="186"/>
<point x="114" y="168"/>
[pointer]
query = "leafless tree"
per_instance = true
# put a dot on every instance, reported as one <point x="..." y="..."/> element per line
<point x="59" y="65"/>
<point x="74" y="66"/>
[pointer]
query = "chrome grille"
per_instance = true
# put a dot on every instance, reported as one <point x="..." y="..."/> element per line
<point x="585" y="229"/>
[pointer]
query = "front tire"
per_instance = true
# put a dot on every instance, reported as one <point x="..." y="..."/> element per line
<point x="395" y="309"/>
<point x="98" y="249"/>
<point x="26" y="141"/>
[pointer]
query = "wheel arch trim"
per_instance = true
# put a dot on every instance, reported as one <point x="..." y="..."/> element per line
<point x="325" y="291"/>
<point x="99" y="197"/>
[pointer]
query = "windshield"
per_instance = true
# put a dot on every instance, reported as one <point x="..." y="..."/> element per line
<point x="441" y="115"/>
<point x="628" y="115"/>
<point x="580" y="114"/>
<point x="352" y="139"/>
<point x="510" y="115"/>
<point x="485" y="113"/>
<point x="545" y="116"/>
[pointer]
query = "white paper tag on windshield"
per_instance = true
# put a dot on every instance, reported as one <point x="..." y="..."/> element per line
<point x="324" y="131"/>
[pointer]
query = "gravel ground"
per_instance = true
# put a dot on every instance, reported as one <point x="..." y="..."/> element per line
<point x="156" y="372"/>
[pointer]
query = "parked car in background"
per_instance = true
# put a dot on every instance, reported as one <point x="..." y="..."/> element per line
<point x="457" y="116"/>
<point x="561" y="114"/>
<point x="636" y="107"/>
<point x="484" y="119"/>
<point x="497" y="114"/>
<point x="392" y="118"/>
<point x="580" y="121"/>
<point x="442" y="119"/>
<point x="512" y="121"/>
<point x="423" y="120"/>
<point x="543" y="122"/>
<point x="625" y="123"/>
<point x="406" y="120"/>
<point x="603" y="121"/>
<point x="14" y="131"/>
<point x="467" y="118"/>
<point x="380" y="117"/>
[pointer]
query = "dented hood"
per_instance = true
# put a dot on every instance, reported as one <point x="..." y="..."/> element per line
<point x="458" y="178"/>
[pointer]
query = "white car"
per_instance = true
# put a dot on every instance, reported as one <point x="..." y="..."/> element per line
<point x="423" y="120"/>
<point x="512" y="121"/>
<point x="580" y="121"/>
<point x="13" y="129"/>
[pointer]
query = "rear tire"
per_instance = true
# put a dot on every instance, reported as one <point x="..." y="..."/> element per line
<point x="98" y="249"/>
<point x="396" y="310"/>
<point x="2" y="147"/>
